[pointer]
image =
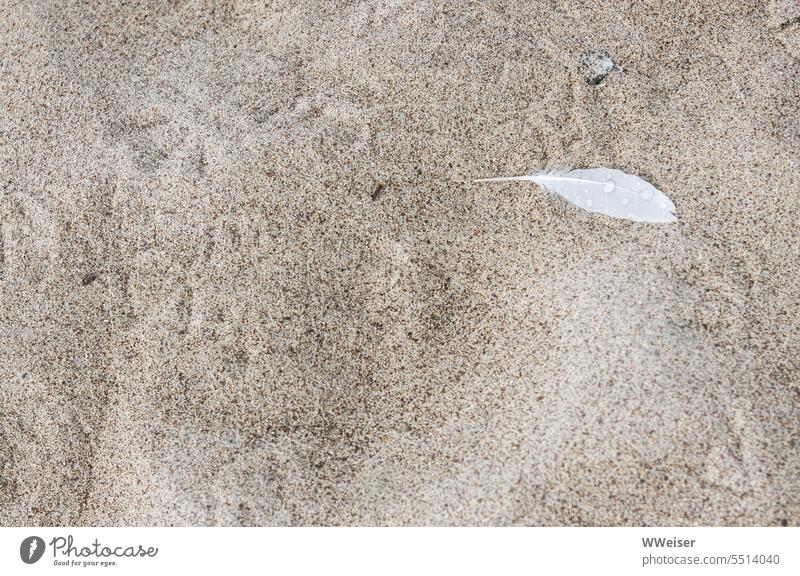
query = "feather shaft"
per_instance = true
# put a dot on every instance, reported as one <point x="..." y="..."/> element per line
<point x="504" y="179"/>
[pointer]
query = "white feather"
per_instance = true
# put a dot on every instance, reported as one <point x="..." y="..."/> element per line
<point x="605" y="191"/>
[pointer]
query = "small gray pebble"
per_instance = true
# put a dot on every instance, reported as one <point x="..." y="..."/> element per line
<point x="89" y="278"/>
<point x="595" y="65"/>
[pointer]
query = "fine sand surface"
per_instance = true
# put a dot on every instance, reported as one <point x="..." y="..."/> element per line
<point x="245" y="277"/>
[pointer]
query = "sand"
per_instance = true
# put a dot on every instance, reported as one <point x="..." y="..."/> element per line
<point x="245" y="278"/>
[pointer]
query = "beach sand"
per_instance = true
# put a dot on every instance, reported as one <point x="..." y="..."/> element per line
<point x="245" y="277"/>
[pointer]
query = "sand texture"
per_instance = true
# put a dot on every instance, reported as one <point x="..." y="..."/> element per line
<point x="245" y="278"/>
